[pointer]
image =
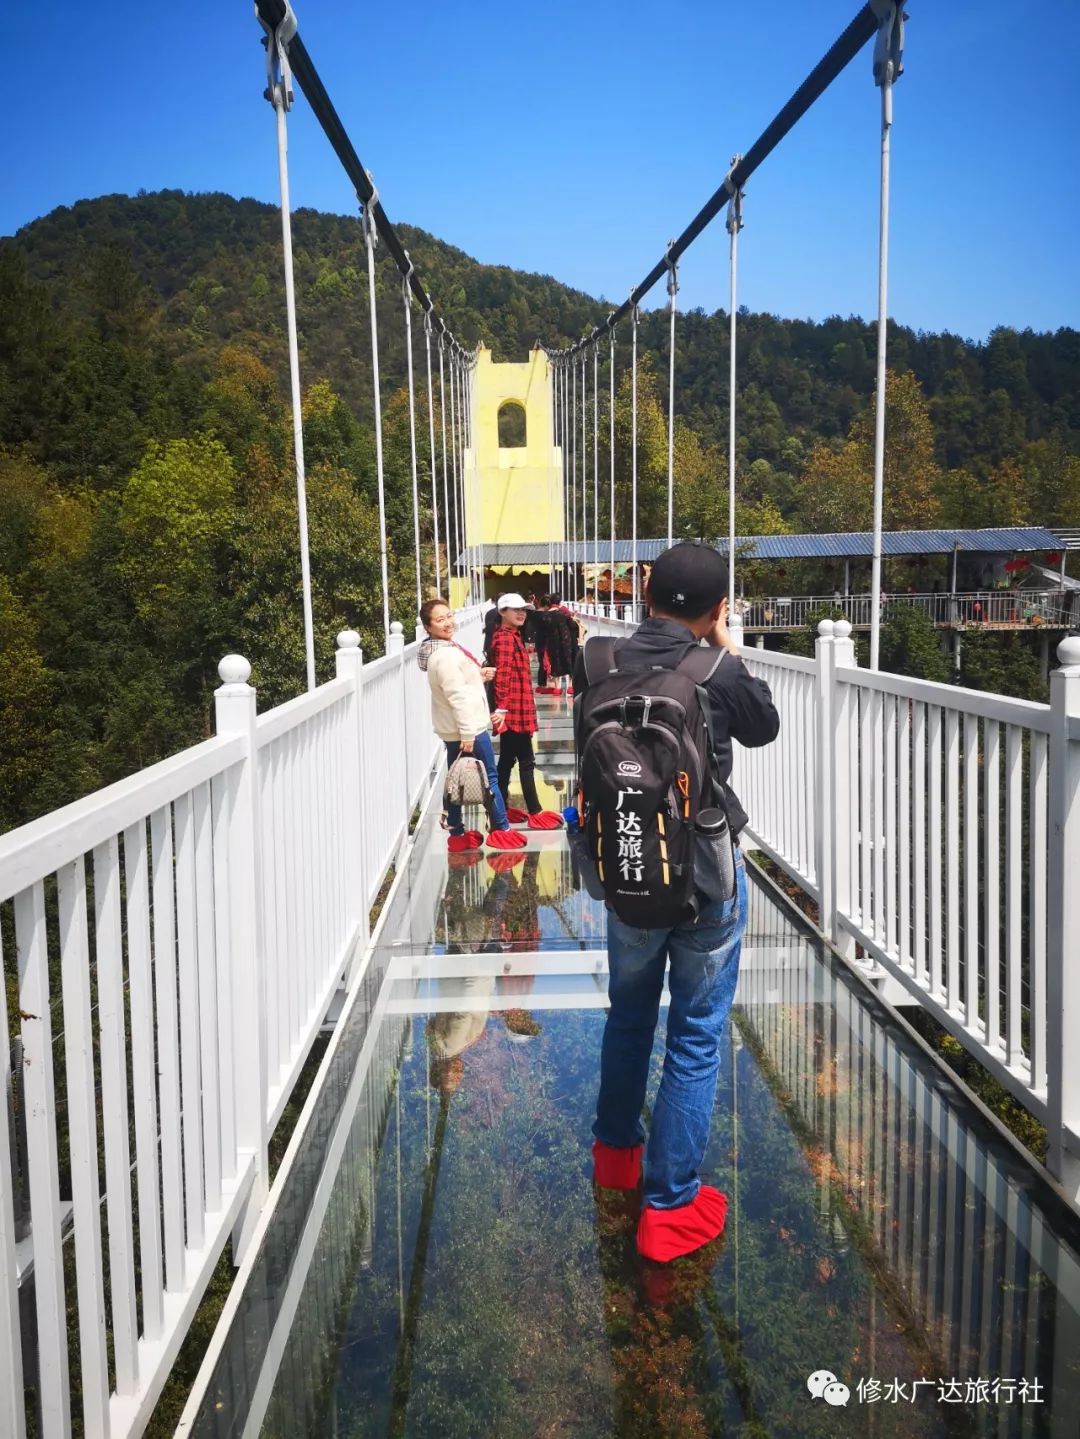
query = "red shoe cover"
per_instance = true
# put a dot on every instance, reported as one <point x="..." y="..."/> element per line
<point x="459" y="843"/>
<point x="545" y="819"/>
<point x="665" y="1234"/>
<point x="616" y="1168"/>
<point x="505" y="839"/>
<point x="464" y="861"/>
<point x="506" y="861"/>
<point x="517" y="816"/>
<point x="477" y="837"/>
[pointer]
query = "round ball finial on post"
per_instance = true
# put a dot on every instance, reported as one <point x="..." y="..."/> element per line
<point x="234" y="670"/>
<point x="825" y="629"/>
<point x="348" y="640"/>
<point x="396" y="627"/>
<point x="1068" y="652"/>
<point x="842" y="629"/>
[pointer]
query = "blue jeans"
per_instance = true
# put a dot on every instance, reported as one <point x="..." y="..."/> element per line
<point x="704" y="960"/>
<point x="485" y="753"/>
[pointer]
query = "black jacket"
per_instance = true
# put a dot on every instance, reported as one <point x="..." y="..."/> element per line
<point x="742" y="706"/>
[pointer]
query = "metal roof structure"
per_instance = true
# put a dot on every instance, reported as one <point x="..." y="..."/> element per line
<point x="895" y="543"/>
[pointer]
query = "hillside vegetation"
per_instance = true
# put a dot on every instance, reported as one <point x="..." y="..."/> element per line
<point x="147" y="502"/>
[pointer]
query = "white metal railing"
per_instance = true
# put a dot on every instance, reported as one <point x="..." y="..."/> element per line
<point x="947" y="824"/>
<point x="938" y="828"/>
<point x="969" y="608"/>
<point x="186" y="928"/>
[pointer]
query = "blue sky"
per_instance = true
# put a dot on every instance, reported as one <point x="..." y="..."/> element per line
<point x="576" y="138"/>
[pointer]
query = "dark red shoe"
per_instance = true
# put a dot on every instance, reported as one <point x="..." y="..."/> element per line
<point x="665" y="1234"/>
<point x="545" y="819"/>
<point x="505" y="839"/>
<point x="459" y="843"/>
<point x="616" y="1168"/>
<point x="517" y="816"/>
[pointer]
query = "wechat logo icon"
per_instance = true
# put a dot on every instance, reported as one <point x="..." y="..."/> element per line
<point x="823" y="1384"/>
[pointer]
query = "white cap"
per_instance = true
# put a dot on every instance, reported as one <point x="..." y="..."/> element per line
<point x="512" y="601"/>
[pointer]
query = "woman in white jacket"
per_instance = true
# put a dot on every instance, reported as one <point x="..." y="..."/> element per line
<point x="461" y="718"/>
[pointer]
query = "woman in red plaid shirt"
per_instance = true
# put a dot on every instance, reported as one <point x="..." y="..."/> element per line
<point x="514" y="719"/>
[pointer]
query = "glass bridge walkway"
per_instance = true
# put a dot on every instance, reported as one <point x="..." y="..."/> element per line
<point x="438" y="1263"/>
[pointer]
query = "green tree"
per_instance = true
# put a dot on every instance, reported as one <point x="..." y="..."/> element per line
<point x="910" y="644"/>
<point x="27" y="691"/>
<point x="175" y="520"/>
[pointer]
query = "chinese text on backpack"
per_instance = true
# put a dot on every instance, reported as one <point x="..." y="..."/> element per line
<point x="645" y="772"/>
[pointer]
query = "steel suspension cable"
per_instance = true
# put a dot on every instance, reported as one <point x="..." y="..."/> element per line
<point x="279" y="93"/>
<point x="567" y="475"/>
<point x="611" y="459"/>
<point x="406" y="296"/>
<point x="596" y="475"/>
<point x="584" y="484"/>
<point x="673" y="290"/>
<point x="888" y="53"/>
<point x="446" y="487"/>
<point x="369" y="242"/>
<point x="634" y="316"/>
<point x="734" y="225"/>
<point x="573" y="472"/>
<point x="431" y="457"/>
<point x="454" y="466"/>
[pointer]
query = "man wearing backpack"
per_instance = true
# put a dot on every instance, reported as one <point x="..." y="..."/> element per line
<point x="654" y="720"/>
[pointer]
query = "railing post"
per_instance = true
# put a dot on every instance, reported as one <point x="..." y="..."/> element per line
<point x="234" y="709"/>
<point x="349" y="664"/>
<point x="1063" y="919"/>
<point x="395" y="645"/>
<point x="837" y="799"/>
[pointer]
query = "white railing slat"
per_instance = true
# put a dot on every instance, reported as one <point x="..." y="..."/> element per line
<point x="31" y="943"/>
<point x="187" y="948"/>
<point x="82" y="1138"/>
<point x="1037" y="844"/>
<point x="209" y="1016"/>
<point x="12" y="1414"/>
<point x="113" y="1045"/>
<point x="144" y="1080"/>
<point x="1014" y="866"/>
<point x="168" y="1047"/>
<point x="952" y="860"/>
<point x="992" y="879"/>
<point x="971" y="872"/>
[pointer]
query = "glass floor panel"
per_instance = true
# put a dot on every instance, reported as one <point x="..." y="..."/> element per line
<point x="439" y="1263"/>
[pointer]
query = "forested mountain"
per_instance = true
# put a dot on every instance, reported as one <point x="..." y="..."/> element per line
<point x="147" y="509"/>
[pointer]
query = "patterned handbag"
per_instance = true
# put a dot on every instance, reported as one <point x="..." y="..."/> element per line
<point x="467" y="783"/>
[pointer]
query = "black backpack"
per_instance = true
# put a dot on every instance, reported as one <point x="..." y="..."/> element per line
<point x="646" y="769"/>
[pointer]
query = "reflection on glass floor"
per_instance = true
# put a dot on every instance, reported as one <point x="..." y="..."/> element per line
<point x="440" y="1265"/>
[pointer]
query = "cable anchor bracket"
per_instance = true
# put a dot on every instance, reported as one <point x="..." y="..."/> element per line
<point x="889" y="44"/>
<point x="367" y="212"/>
<point x="279" y="86"/>
<point x="672" y="271"/>
<point x="734" y="221"/>
<point x="406" y="287"/>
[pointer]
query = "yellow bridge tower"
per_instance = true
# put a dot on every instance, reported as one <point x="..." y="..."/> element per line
<point x="513" y="480"/>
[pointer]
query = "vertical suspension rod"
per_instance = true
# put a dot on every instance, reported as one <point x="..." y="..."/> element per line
<point x="279" y="93"/>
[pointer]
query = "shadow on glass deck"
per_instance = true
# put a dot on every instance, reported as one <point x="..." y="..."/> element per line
<point x="439" y="1264"/>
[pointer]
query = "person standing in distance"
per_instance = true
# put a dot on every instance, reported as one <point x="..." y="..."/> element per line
<point x="686" y="597"/>
<point x="514" y="718"/>
<point x="460" y="717"/>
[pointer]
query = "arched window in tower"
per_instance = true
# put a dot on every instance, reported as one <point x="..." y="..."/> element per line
<point x="511" y="425"/>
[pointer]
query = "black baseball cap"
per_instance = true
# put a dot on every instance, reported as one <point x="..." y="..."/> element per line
<point x="688" y="579"/>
